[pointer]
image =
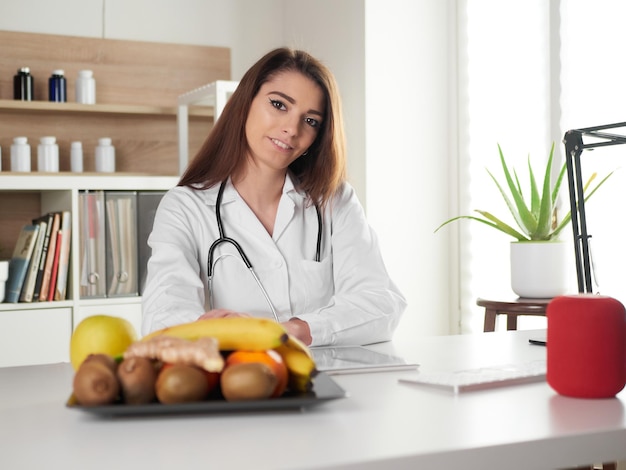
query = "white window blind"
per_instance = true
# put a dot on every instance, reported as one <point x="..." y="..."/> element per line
<point x="512" y="55"/>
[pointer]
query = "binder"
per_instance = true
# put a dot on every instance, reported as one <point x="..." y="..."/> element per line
<point x="121" y="243"/>
<point x="92" y="244"/>
<point x="18" y="265"/>
<point x="147" y="204"/>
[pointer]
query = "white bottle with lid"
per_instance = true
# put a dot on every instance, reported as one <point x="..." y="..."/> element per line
<point x="48" y="155"/>
<point x="20" y="154"/>
<point x="105" y="156"/>
<point x="85" y="87"/>
<point x="76" y="157"/>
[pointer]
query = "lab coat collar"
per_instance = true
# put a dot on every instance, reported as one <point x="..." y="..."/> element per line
<point x="230" y="193"/>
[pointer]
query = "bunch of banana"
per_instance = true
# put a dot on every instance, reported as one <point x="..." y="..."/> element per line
<point x="299" y="362"/>
<point x="232" y="333"/>
<point x="252" y="334"/>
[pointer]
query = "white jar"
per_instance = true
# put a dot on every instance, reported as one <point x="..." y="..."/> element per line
<point x="76" y="157"/>
<point x="20" y="154"/>
<point x="48" y="155"/>
<point x="105" y="156"/>
<point x="85" y="87"/>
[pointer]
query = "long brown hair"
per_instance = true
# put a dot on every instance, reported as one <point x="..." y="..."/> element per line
<point x="225" y="149"/>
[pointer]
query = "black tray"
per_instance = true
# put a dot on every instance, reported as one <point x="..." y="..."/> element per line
<point x="324" y="389"/>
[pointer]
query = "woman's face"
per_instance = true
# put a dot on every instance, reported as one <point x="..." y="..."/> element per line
<point x="284" y="119"/>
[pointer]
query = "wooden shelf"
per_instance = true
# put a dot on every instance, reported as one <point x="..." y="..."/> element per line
<point x="111" y="109"/>
<point x="35" y="181"/>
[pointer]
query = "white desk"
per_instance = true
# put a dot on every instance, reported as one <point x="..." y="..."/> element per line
<point x="383" y="424"/>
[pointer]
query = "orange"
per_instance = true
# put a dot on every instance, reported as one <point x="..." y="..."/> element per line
<point x="270" y="358"/>
<point x="100" y="334"/>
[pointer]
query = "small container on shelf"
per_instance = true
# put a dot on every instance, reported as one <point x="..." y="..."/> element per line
<point x="85" y="87"/>
<point x="20" y="155"/>
<point x="57" y="87"/>
<point x="105" y="156"/>
<point x="48" y="155"/>
<point x="76" y="157"/>
<point x="23" y="85"/>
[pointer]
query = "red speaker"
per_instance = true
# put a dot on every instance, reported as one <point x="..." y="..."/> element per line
<point x="586" y="346"/>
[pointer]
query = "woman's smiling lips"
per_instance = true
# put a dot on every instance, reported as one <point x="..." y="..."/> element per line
<point x="281" y="144"/>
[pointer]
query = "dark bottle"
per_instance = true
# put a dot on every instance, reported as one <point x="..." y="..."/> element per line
<point x="57" y="87"/>
<point x="23" y="85"/>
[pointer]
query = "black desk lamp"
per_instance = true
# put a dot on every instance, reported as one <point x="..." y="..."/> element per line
<point x="574" y="146"/>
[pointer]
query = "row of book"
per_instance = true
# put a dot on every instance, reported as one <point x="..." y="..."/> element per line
<point x="113" y="236"/>
<point x="39" y="266"/>
<point x="114" y="250"/>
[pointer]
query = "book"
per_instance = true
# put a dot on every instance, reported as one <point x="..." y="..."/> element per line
<point x="18" y="265"/>
<point x="47" y="273"/>
<point x="60" y="292"/>
<point x="55" y="265"/>
<point x="147" y="204"/>
<point x="28" y="286"/>
<point x="92" y="244"/>
<point x="49" y="219"/>
<point x="121" y="243"/>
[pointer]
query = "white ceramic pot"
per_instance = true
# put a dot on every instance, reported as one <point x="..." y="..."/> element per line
<point x="539" y="269"/>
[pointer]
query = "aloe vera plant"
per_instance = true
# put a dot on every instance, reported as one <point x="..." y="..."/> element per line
<point x="536" y="218"/>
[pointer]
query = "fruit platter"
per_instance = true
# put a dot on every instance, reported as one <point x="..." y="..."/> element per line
<point x="215" y="365"/>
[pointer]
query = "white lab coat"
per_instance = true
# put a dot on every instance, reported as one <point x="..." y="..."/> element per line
<point x="346" y="298"/>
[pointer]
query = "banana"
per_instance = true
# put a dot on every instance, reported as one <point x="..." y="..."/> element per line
<point x="232" y="333"/>
<point x="299" y="362"/>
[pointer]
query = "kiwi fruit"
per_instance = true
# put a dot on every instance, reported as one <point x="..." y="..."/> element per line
<point x="180" y="383"/>
<point x="248" y="381"/>
<point x="95" y="384"/>
<point x="137" y="377"/>
<point x="105" y="359"/>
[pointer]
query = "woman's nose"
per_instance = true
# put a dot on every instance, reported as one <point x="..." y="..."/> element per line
<point x="290" y="125"/>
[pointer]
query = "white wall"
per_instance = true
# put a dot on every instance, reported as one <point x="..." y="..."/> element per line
<point x="410" y="134"/>
<point x="391" y="60"/>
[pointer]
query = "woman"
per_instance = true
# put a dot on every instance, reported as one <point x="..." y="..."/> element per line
<point x="275" y="157"/>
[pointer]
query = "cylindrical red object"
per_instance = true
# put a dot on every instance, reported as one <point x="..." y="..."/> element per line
<point x="586" y="347"/>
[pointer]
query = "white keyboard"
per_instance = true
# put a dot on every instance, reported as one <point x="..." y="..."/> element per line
<point x="479" y="379"/>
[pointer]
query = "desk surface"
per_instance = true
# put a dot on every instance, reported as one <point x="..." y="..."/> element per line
<point x="382" y="424"/>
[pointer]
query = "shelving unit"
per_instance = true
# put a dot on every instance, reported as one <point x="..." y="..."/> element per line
<point x="136" y="111"/>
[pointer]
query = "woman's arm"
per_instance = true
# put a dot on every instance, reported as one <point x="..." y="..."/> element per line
<point x="366" y="306"/>
<point x="175" y="290"/>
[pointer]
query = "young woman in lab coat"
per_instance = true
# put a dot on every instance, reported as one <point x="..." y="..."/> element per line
<point x="276" y="152"/>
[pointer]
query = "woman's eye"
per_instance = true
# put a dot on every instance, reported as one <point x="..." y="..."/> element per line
<point x="278" y="104"/>
<point x="314" y="123"/>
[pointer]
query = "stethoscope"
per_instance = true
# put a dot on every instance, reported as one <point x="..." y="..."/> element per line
<point x="223" y="239"/>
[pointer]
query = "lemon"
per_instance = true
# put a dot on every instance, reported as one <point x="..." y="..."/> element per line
<point x="100" y="334"/>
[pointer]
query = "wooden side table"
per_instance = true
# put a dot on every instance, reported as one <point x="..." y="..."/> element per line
<point x="512" y="309"/>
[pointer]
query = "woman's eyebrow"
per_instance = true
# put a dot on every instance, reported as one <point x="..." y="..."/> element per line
<point x="292" y="101"/>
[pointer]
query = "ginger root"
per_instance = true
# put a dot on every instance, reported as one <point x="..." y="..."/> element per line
<point x="204" y="352"/>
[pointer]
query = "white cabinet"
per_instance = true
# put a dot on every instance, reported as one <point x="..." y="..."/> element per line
<point x="36" y="333"/>
<point x="138" y="87"/>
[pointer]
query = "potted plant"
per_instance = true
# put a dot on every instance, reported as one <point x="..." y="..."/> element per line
<point x="537" y="255"/>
